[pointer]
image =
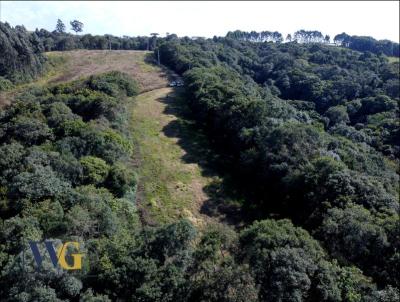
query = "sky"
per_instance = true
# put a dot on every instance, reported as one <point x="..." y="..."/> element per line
<point x="379" y="19"/>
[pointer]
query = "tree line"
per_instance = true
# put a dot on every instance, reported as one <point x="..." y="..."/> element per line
<point x="359" y="43"/>
<point x="21" y="55"/>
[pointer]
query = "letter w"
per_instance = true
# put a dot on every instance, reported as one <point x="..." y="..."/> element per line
<point x="39" y="258"/>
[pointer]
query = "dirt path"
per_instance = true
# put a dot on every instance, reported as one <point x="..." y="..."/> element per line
<point x="170" y="186"/>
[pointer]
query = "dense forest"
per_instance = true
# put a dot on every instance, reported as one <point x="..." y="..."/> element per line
<point x="309" y="132"/>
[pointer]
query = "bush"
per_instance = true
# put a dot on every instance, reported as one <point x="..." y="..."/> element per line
<point x="95" y="170"/>
<point x="29" y="131"/>
<point x="337" y="115"/>
<point x="5" y="84"/>
<point x="39" y="184"/>
<point x="113" y="83"/>
<point x="282" y="257"/>
<point x="120" y="179"/>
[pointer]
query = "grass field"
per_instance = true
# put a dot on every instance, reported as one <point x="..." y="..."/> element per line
<point x="170" y="186"/>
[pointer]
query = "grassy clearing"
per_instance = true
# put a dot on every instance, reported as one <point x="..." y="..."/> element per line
<point x="168" y="183"/>
<point x="174" y="180"/>
<point x="164" y="178"/>
<point x="82" y="63"/>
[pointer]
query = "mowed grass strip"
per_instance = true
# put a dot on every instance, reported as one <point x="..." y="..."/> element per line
<point x="171" y="188"/>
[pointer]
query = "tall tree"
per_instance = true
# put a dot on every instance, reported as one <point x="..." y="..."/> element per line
<point x="153" y="40"/>
<point x="60" y="27"/>
<point x="154" y="45"/>
<point x="76" y="26"/>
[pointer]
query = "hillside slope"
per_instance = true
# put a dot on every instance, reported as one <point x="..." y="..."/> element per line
<point x="71" y="65"/>
<point x="76" y="155"/>
<point x="170" y="186"/>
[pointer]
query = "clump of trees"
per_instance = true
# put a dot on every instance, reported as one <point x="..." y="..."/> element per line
<point x="63" y="173"/>
<point x="310" y="36"/>
<point x="386" y="47"/>
<point x="253" y="36"/>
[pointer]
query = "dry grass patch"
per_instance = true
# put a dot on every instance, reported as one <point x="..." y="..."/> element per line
<point x="82" y="63"/>
<point x="65" y="66"/>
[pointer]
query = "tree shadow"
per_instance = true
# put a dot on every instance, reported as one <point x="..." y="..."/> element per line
<point x="225" y="202"/>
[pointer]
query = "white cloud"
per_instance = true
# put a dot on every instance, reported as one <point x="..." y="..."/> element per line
<point x="379" y="19"/>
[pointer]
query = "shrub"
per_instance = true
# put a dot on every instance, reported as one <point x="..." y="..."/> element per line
<point x="113" y="83"/>
<point x="95" y="170"/>
<point x="5" y="84"/>
<point x="29" y="131"/>
<point x="39" y="184"/>
<point x="120" y="179"/>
